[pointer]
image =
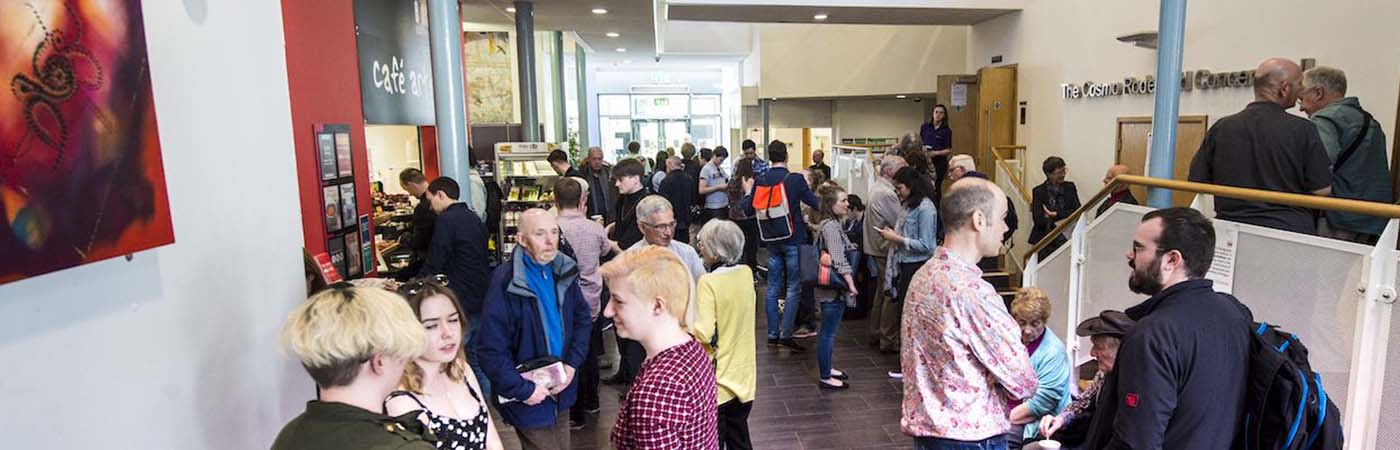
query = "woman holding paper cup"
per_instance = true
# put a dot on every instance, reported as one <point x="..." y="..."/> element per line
<point x="440" y="382"/>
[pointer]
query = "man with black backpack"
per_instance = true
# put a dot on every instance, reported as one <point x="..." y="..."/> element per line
<point x="1182" y="372"/>
<point x="1355" y="144"/>
<point x="773" y="198"/>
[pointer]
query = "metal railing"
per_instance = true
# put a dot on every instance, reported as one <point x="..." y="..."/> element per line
<point x="1337" y="296"/>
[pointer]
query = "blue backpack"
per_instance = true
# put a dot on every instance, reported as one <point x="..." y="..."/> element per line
<point x="1286" y="407"/>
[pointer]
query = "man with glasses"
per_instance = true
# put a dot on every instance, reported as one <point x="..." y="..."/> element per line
<point x="658" y="223"/>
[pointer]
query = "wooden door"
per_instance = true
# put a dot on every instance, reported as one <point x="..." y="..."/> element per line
<point x="962" y="118"/>
<point x="997" y="105"/>
<point x="1133" y="135"/>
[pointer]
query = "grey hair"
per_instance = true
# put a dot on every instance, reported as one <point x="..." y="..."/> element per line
<point x="964" y="198"/>
<point x="1332" y="80"/>
<point x="891" y="163"/>
<point x="651" y="205"/>
<point x="723" y="240"/>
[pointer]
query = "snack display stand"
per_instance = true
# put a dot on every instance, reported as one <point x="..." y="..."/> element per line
<point x="527" y="181"/>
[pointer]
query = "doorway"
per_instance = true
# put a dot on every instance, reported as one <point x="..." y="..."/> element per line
<point x="1133" y="136"/>
<point x="659" y="134"/>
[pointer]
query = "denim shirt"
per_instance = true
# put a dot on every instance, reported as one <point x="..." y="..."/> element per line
<point x="919" y="227"/>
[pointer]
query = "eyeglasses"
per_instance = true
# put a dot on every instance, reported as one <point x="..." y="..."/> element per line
<point x="661" y="226"/>
<point x="417" y="285"/>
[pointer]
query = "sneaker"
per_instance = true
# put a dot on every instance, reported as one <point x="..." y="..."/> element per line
<point x="576" y="424"/>
<point x="772" y="342"/>
<point x="791" y="345"/>
<point x="896" y="374"/>
<point x="804" y="333"/>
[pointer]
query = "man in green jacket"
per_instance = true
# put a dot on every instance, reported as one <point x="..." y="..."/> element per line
<point x="1356" y="146"/>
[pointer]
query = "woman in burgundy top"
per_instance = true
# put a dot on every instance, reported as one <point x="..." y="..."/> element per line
<point x="671" y="405"/>
<point x="938" y="144"/>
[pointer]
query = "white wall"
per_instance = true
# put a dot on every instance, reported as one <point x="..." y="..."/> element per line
<point x="807" y="60"/>
<point x="877" y="118"/>
<point x="392" y="148"/>
<point x="1058" y="42"/>
<point x="177" y="348"/>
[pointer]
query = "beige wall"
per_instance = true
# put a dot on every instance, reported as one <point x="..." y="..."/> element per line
<point x="805" y="60"/>
<point x="877" y="118"/>
<point x="1058" y="42"/>
<point x="392" y="148"/>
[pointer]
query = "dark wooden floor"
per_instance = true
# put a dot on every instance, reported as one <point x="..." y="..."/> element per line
<point x="790" y="411"/>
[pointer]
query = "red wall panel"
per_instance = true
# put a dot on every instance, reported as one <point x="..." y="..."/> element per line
<point x="324" y="82"/>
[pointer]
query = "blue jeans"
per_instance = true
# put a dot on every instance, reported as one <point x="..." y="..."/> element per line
<point x="783" y="280"/>
<point x="831" y="320"/>
<point x="472" y="341"/>
<point x="932" y="443"/>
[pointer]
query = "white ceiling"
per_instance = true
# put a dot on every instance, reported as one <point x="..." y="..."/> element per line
<point x="631" y="18"/>
<point x="713" y="28"/>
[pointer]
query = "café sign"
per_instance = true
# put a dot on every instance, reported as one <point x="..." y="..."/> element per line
<point x="1204" y="80"/>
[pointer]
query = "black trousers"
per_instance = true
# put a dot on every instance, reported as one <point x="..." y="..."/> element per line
<point x="588" y="376"/>
<point x="632" y="354"/>
<point x="734" y="425"/>
<point x="750" y="229"/>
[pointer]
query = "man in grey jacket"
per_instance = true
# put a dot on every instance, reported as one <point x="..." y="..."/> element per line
<point x="883" y="212"/>
<point x="1356" y="147"/>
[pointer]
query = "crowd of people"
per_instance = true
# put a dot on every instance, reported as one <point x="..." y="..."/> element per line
<point x="446" y="358"/>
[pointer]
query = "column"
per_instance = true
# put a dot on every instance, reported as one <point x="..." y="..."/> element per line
<point x="580" y="66"/>
<point x="525" y="48"/>
<point x="556" y="82"/>
<point x="1170" y="30"/>
<point x="449" y="94"/>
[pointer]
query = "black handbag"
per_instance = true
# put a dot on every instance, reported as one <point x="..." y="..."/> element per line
<point x="818" y="275"/>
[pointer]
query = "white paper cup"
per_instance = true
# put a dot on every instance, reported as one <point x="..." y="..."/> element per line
<point x="1049" y="444"/>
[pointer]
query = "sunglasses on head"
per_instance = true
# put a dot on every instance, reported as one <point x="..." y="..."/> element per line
<point x="417" y="285"/>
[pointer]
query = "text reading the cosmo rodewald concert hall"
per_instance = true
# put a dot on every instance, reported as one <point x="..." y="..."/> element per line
<point x="1147" y="85"/>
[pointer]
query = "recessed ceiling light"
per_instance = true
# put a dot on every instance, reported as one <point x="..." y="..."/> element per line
<point x="627" y="61"/>
<point x="599" y="11"/>
<point x="620" y="49"/>
<point x="901" y="96"/>
<point x="613" y="34"/>
<point x="510" y="9"/>
<point x="820" y="16"/>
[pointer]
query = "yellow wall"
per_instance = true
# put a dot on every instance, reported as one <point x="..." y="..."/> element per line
<point x="806" y="60"/>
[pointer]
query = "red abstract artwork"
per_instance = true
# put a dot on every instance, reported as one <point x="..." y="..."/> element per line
<point x="80" y="168"/>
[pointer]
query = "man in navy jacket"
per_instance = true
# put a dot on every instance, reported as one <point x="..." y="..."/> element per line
<point x="783" y="276"/>
<point x="458" y="247"/>
<point x="534" y="309"/>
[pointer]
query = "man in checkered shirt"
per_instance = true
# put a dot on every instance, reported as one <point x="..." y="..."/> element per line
<point x="671" y="405"/>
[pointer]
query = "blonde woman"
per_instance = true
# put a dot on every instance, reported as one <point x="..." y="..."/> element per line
<point x="354" y="342"/>
<point x="440" y="383"/>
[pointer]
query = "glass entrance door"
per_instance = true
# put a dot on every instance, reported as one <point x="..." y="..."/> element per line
<point x="657" y="135"/>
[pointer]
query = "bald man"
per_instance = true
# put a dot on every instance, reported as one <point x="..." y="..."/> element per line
<point x="1265" y="147"/>
<point x="987" y="363"/>
<point x="1121" y="194"/>
<point x="535" y="310"/>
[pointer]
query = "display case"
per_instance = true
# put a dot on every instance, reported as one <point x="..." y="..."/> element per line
<point x="526" y="181"/>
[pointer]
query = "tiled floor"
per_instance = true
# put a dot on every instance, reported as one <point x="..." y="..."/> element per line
<point x="790" y="411"/>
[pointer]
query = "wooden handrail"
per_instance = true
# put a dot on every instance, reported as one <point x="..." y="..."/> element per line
<point x="1254" y="195"/>
<point x="1015" y="180"/>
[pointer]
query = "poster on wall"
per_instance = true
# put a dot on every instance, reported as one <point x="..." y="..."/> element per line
<point x="490" y="78"/>
<point x="325" y="143"/>
<point x="396" y="75"/>
<point x="81" y="174"/>
<point x="347" y="204"/>
<point x="342" y="154"/>
<point x="336" y="248"/>
<point x="330" y="196"/>
<point x="352" y="254"/>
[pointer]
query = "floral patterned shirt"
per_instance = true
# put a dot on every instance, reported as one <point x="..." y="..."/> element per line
<point x="962" y="356"/>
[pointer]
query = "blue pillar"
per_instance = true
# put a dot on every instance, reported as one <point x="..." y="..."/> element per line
<point x="449" y="94"/>
<point x="1170" y="30"/>
<point x="525" y="48"/>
